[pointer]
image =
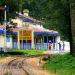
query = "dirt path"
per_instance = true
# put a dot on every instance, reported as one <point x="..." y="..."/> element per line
<point x="36" y="67"/>
<point x="19" y="66"/>
<point x="12" y="65"/>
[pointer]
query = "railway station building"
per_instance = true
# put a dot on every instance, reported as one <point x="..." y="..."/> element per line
<point x="29" y="34"/>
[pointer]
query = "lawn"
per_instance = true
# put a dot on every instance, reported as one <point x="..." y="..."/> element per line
<point x="2" y="57"/>
<point x="61" y="64"/>
<point x="25" y="52"/>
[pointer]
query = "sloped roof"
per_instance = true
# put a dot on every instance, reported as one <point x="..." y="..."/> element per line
<point x="28" y="18"/>
<point x="37" y="30"/>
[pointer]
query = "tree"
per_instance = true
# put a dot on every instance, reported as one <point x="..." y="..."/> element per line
<point x="72" y="27"/>
<point x="53" y="13"/>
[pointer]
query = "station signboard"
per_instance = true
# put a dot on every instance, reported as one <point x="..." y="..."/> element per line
<point x="25" y="34"/>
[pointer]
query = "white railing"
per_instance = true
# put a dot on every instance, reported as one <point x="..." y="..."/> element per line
<point x="41" y="46"/>
<point x="44" y="46"/>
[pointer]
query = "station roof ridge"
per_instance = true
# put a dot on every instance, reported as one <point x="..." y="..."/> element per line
<point x="28" y="18"/>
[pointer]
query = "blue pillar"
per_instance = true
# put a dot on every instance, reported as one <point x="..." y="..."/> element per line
<point x="43" y="39"/>
<point x="47" y="38"/>
<point x="26" y="44"/>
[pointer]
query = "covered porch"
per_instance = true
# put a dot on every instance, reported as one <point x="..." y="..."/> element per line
<point x="28" y="39"/>
<point x="41" y="40"/>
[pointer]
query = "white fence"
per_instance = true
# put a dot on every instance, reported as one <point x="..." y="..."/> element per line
<point x="55" y="46"/>
<point x="45" y="46"/>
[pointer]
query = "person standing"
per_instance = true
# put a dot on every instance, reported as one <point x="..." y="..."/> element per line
<point x="63" y="45"/>
<point x="59" y="46"/>
<point x="50" y="44"/>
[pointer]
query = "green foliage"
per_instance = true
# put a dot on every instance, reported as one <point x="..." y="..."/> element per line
<point x="61" y="64"/>
<point x="54" y="13"/>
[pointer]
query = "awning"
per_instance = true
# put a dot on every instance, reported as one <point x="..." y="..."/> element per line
<point x="14" y="33"/>
<point x="1" y="31"/>
<point x="46" y="33"/>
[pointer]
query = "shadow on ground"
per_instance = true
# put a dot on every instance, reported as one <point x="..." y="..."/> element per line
<point x="12" y="53"/>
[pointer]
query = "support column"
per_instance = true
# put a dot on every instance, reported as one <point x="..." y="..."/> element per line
<point x="10" y="41"/>
<point x="26" y="44"/>
<point x="22" y="40"/>
<point x="43" y="38"/>
<point x="18" y="41"/>
<point x="32" y="41"/>
<point x="53" y="42"/>
<point x="57" y="41"/>
<point x="43" y="42"/>
<point x="47" y="43"/>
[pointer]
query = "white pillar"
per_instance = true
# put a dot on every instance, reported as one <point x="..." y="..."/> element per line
<point x="32" y="41"/>
<point x="57" y="41"/>
<point x="10" y="41"/>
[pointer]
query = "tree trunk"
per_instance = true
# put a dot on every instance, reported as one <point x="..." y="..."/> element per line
<point x="72" y="27"/>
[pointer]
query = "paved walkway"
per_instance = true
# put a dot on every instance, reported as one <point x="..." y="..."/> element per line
<point x="54" y="52"/>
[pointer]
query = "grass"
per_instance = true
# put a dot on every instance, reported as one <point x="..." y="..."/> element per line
<point x="61" y="64"/>
<point x="8" y="73"/>
<point x="2" y="56"/>
<point x="25" y="52"/>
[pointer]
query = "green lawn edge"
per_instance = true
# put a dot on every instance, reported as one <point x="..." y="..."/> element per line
<point x="61" y="64"/>
<point x="25" y="52"/>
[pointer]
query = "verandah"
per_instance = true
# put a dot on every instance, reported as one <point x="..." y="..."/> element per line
<point x="34" y="40"/>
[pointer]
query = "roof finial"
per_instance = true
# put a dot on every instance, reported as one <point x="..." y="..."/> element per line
<point x="25" y="12"/>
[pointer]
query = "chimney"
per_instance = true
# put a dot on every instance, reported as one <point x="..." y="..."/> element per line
<point x="26" y="12"/>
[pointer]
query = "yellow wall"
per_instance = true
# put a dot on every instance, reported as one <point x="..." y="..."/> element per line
<point x="20" y="22"/>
